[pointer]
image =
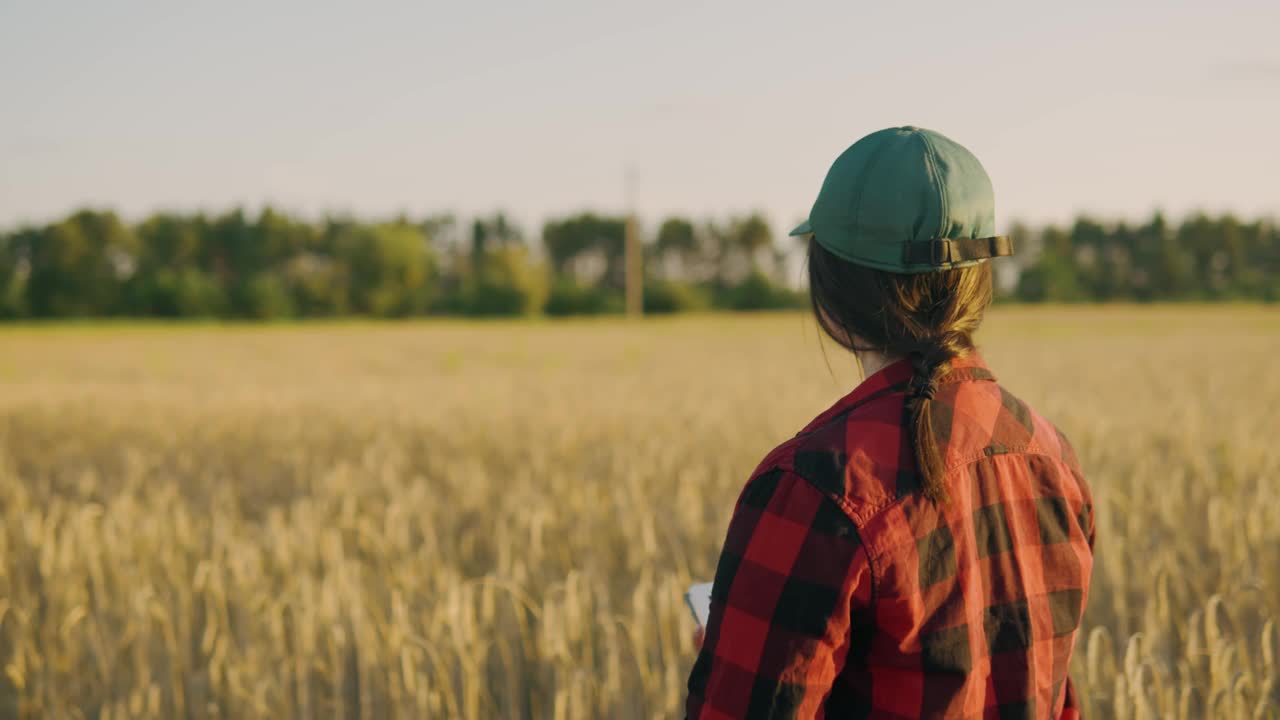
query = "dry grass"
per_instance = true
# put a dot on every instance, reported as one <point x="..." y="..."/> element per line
<point x="498" y="520"/>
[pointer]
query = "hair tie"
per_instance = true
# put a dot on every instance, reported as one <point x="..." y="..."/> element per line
<point x="922" y="383"/>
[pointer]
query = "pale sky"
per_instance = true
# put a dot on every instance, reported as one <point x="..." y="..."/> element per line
<point x="538" y="108"/>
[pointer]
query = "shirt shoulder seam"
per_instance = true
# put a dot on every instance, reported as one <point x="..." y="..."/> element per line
<point x="864" y="514"/>
<point x="1027" y="449"/>
<point x="844" y="507"/>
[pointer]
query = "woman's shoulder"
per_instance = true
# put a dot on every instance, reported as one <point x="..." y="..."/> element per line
<point x="854" y="457"/>
<point x="1020" y="426"/>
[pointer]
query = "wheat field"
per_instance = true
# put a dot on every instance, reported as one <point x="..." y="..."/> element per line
<point x="498" y="520"/>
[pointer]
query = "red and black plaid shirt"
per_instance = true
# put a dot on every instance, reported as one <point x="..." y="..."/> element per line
<point x="842" y="592"/>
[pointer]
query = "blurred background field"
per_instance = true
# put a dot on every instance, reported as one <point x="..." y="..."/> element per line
<point x="498" y="519"/>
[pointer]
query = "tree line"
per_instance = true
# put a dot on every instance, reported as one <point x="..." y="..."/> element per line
<point x="269" y="265"/>
<point x="1203" y="258"/>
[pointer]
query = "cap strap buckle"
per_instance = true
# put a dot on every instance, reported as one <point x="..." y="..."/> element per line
<point x="944" y="251"/>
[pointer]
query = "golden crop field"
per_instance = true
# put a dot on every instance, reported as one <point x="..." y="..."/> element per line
<point x="498" y="520"/>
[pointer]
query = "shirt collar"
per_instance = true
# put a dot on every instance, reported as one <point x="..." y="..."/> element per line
<point x="894" y="377"/>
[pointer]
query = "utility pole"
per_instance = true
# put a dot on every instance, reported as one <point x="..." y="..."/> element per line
<point x="634" y="251"/>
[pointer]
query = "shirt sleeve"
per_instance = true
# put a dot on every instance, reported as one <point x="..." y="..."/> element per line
<point x="1071" y="704"/>
<point x="790" y="576"/>
<point x="1071" y="709"/>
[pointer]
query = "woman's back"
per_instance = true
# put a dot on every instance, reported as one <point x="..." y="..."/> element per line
<point x="843" y="589"/>
<point x="923" y="548"/>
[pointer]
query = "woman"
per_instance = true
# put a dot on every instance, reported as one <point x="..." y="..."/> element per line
<point x="923" y="547"/>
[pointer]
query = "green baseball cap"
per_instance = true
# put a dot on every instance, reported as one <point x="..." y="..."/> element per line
<point x="907" y="200"/>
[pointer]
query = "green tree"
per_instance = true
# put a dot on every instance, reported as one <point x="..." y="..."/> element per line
<point x="171" y="277"/>
<point x="391" y="269"/>
<point x="508" y="283"/>
<point x="266" y="297"/>
<point x="79" y="266"/>
<point x="569" y="297"/>
<point x="758" y="292"/>
<point x="490" y="233"/>
<point x="574" y="242"/>
<point x="676" y="250"/>
<point x="1053" y="276"/>
<point x="1173" y="269"/>
<point x="14" y="270"/>
<point x="738" y="247"/>
<point x="1147" y="245"/>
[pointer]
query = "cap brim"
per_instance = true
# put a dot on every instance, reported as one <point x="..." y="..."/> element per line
<point x="803" y="228"/>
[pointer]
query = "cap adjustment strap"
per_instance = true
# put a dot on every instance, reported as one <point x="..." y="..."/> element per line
<point x="944" y="251"/>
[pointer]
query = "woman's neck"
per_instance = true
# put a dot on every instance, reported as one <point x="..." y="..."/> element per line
<point x="873" y="362"/>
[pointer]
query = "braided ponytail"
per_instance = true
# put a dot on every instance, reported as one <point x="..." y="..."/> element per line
<point x="931" y="363"/>
<point x="928" y="318"/>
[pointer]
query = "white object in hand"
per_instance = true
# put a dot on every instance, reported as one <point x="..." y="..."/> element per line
<point x="699" y="600"/>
